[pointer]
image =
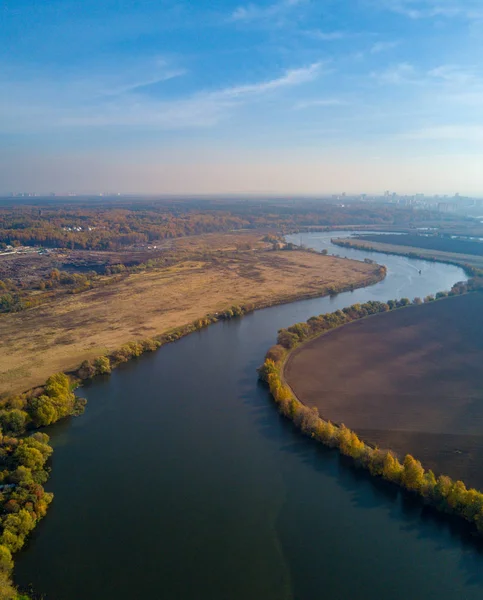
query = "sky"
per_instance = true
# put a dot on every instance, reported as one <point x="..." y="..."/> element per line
<point x="273" y="96"/>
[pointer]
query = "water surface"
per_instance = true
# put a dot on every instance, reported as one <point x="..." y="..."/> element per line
<point x="182" y="482"/>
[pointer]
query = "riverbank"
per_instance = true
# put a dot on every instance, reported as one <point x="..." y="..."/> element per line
<point x="35" y="408"/>
<point x="442" y="492"/>
<point x="415" y="388"/>
<point x="227" y="481"/>
<point x="470" y="263"/>
<point x="60" y="336"/>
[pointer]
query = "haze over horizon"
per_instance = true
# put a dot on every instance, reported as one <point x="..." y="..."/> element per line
<point x="282" y="96"/>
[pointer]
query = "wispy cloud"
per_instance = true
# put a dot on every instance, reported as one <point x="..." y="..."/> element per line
<point x="456" y="75"/>
<point x="255" y="12"/>
<point x="464" y="133"/>
<point x="379" y="47"/>
<point x="450" y="77"/>
<point x="319" y="103"/>
<point x="139" y="85"/>
<point x="290" y="78"/>
<point x="128" y="106"/>
<point x="398" y="74"/>
<point x="423" y="9"/>
<point x="327" y="36"/>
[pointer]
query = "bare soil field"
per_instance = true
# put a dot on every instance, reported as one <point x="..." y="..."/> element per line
<point x="410" y="380"/>
<point x="59" y="335"/>
<point x="462" y="259"/>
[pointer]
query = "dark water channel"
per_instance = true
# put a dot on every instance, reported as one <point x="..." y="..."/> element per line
<point x="181" y="482"/>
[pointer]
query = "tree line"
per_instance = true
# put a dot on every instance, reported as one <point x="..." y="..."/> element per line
<point x="23" y="470"/>
<point x="23" y="500"/>
<point x="469" y="269"/>
<point x="442" y="492"/>
<point x="435" y="241"/>
<point x="95" y="226"/>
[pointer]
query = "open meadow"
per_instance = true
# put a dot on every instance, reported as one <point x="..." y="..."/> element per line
<point x="409" y="380"/>
<point x="212" y="274"/>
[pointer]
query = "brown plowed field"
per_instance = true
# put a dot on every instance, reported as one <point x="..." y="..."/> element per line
<point x="410" y="380"/>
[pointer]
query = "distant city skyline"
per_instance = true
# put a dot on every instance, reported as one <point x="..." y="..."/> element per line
<point x="272" y="97"/>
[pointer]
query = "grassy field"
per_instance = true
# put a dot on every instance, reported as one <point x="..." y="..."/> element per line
<point x="468" y="259"/>
<point x="59" y="335"/>
<point x="417" y="386"/>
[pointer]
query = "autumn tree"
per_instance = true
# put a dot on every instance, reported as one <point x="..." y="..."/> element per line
<point x="412" y="474"/>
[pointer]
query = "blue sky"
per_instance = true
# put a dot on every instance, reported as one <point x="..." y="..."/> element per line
<point x="276" y="96"/>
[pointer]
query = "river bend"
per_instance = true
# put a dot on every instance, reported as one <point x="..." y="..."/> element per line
<point x="182" y="482"/>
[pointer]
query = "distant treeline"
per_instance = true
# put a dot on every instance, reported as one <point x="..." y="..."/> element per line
<point x="352" y="243"/>
<point x="115" y="226"/>
<point x="440" y="242"/>
<point x="440" y="492"/>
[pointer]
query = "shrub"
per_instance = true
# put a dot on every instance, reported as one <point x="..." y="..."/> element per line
<point x="102" y="365"/>
<point x="13" y="421"/>
<point x="276" y="353"/>
<point x="87" y="370"/>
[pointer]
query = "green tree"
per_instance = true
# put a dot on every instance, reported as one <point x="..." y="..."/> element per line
<point x="412" y="475"/>
<point x="391" y="468"/>
<point x="102" y="365"/>
<point x="13" y="421"/>
<point x="29" y="457"/>
<point x="287" y="339"/>
<point x="6" y="562"/>
<point x="441" y="490"/>
<point x="457" y="497"/>
<point x="473" y="505"/>
<point x="7" y="591"/>
<point x="42" y="411"/>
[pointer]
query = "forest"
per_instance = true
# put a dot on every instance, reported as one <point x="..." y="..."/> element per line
<point x="101" y="226"/>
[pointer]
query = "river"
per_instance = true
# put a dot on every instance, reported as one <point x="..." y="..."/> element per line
<point x="182" y="482"/>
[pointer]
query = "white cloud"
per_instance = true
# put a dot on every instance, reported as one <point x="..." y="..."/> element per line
<point x="398" y="74"/>
<point x="127" y="107"/>
<point x="465" y="78"/>
<point x="327" y="36"/>
<point x="320" y="102"/>
<point x="383" y="46"/>
<point x="423" y="9"/>
<point x="137" y="84"/>
<point x="255" y="12"/>
<point x="456" y="75"/>
<point x="291" y="77"/>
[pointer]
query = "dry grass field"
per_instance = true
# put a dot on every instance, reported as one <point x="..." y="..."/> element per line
<point x="59" y="335"/>
<point x="410" y="380"/>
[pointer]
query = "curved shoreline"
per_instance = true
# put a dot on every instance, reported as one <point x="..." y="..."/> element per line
<point x="354" y="245"/>
<point x="104" y="364"/>
<point x="442" y="493"/>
